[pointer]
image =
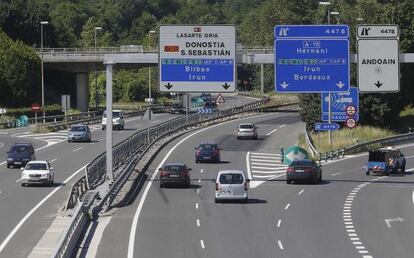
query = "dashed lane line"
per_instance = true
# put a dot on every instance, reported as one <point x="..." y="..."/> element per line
<point x="280" y="244"/>
<point x="78" y="149"/>
<point x="301" y="191"/>
<point x="287" y="206"/>
<point x="202" y="244"/>
<point x="278" y="223"/>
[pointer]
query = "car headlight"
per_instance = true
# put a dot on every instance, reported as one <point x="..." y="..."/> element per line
<point x="44" y="175"/>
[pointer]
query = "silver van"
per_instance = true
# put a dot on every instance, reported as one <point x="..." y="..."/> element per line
<point x="231" y="185"/>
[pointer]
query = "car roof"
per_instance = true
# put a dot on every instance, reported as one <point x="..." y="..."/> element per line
<point x="22" y="144"/>
<point x="79" y="125"/>
<point x="230" y="172"/>
<point x="174" y="164"/>
<point x="37" y="162"/>
<point x="209" y="143"/>
<point x="246" y="124"/>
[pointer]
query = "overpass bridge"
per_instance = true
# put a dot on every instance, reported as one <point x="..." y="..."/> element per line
<point x="84" y="60"/>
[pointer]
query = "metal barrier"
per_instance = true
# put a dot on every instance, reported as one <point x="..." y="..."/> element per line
<point x="129" y="152"/>
<point x="311" y="147"/>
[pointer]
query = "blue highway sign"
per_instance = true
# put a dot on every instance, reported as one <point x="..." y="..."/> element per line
<point x="339" y="102"/>
<point x="326" y="126"/>
<point x="338" y="117"/>
<point x="311" y="61"/>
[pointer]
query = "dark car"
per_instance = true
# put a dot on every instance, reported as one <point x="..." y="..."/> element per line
<point x="20" y="154"/>
<point x="177" y="109"/>
<point x="207" y="152"/>
<point x="210" y="104"/>
<point x="304" y="170"/>
<point x="175" y="173"/>
<point x="206" y="97"/>
<point x="79" y="133"/>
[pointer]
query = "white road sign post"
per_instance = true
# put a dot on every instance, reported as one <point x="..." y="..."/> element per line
<point x="378" y="58"/>
<point x="197" y="58"/>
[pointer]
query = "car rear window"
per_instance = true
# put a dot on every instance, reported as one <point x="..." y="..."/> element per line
<point x="207" y="147"/>
<point x="231" y="178"/>
<point x="174" y="168"/>
<point x="36" y="166"/>
<point x="305" y="163"/>
<point x="114" y="114"/>
<point x="376" y="156"/>
<point x="246" y="126"/>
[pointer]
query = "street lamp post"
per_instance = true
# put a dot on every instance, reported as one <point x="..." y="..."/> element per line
<point x="149" y="77"/>
<point x="335" y="13"/>
<point x="329" y="13"/>
<point x="43" y="76"/>
<point x="96" y="75"/>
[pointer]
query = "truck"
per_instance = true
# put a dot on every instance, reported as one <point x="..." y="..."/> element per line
<point x="385" y="161"/>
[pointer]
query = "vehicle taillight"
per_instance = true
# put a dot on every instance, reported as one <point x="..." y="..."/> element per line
<point x="217" y="186"/>
<point x="216" y="152"/>
<point x="163" y="173"/>
<point x="308" y="170"/>
<point x="198" y="152"/>
<point x="184" y="173"/>
<point x="290" y="170"/>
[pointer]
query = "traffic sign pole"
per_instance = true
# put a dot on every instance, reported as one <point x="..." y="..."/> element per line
<point x="329" y="120"/>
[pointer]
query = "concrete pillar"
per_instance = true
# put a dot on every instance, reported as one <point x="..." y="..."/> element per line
<point x="82" y="92"/>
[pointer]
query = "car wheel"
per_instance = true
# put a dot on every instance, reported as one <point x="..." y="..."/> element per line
<point x="288" y="182"/>
<point x="161" y="185"/>
<point x="367" y="173"/>
<point x="103" y="128"/>
<point x="216" y="200"/>
<point x="23" y="184"/>
<point x="320" y="179"/>
<point x="238" y="138"/>
<point x="8" y="166"/>
<point x="316" y="180"/>
<point x="403" y="169"/>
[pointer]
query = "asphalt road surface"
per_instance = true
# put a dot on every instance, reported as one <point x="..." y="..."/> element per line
<point x="348" y="215"/>
<point x="27" y="212"/>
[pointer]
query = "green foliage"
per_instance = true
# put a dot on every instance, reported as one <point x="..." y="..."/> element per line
<point x="19" y="73"/>
<point x="50" y="110"/>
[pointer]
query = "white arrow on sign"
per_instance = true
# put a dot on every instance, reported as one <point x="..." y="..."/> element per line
<point x="292" y="156"/>
<point x="284" y="85"/>
<point x="388" y="221"/>
<point x="340" y="84"/>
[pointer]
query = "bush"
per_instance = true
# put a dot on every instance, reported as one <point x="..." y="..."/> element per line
<point x="50" y="110"/>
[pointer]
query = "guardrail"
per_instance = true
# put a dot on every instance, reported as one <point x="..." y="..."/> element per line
<point x="366" y="146"/>
<point x="133" y="149"/>
<point x="311" y="147"/>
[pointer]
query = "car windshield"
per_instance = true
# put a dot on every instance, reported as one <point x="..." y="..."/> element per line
<point x="376" y="156"/>
<point x="246" y="126"/>
<point x="36" y="166"/>
<point x="19" y="149"/>
<point x="300" y="163"/>
<point x="174" y="168"/>
<point x="231" y="178"/>
<point x="78" y="129"/>
<point x="207" y="147"/>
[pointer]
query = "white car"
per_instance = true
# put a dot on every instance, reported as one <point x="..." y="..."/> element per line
<point x="247" y="130"/>
<point x="37" y="172"/>
<point x="117" y="120"/>
<point x="231" y="185"/>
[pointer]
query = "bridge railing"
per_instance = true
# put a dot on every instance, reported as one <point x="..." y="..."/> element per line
<point x="121" y="50"/>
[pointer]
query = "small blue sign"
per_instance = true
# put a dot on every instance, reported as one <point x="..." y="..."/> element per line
<point x="309" y="59"/>
<point x="326" y="126"/>
<point x="338" y="117"/>
<point x="339" y="102"/>
<point x="197" y="70"/>
<point x="311" y="31"/>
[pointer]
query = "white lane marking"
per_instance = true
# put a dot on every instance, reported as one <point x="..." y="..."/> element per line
<point x="201" y="171"/>
<point x="199" y="180"/>
<point x="249" y="173"/>
<point x="78" y="149"/>
<point x="155" y="121"/>
<point x="280" y="244"/>
<point x="287" y="206"/>
<point x="18" y="180"/>
<point x="301" y="191"/>
<point x="198" y="191"/>
<point x="271" y="168"/>
<point x="134" y="225"/>
<point x="265" y="154"/>
<point x="413" y="197"/>
<point x="198" y="223"/>
<point x="196" y="205"/>
<point x="282" y="126"/>
<point x="4" y="162"/>
<point x="336" y="174"/>
<point x="269" y="133"/>
<point x="278" y="223"/>
<point x="27" y="216"/>
<point x="268" y="164"/>
<point x="53" y="160"/>
<point x="202" y="244"/>
<point x="269" y="172"/>
<point x="355" y="238"/>
<point x="268" y="160"/>
<point x="259" y="176"/>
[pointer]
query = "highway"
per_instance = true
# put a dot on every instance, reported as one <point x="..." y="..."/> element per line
<point x="27" y="212"/>
<point x="348" y="215"/>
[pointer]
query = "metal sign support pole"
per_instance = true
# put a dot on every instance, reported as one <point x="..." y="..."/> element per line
<point x="109" y="172"/>
<point x="329" y="120"/>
